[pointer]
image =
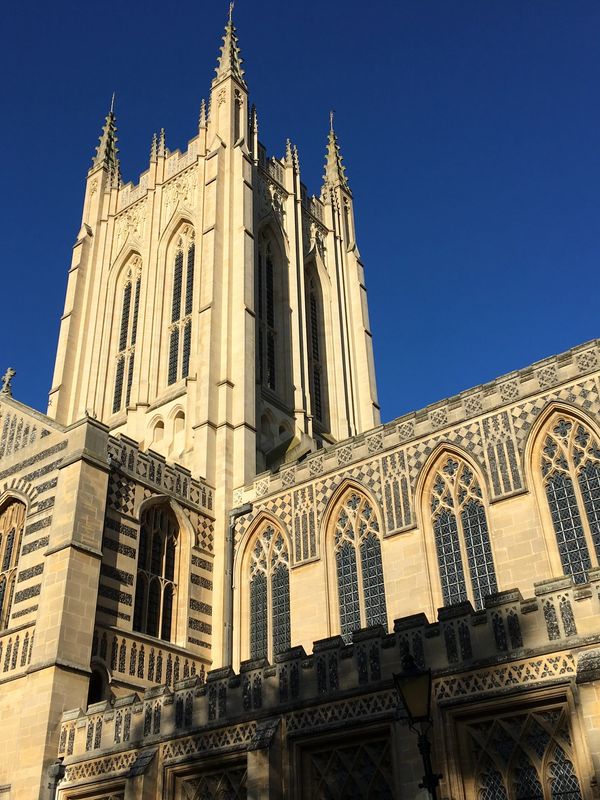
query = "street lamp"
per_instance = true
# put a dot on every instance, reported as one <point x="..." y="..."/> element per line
<point x="414" y="687"/>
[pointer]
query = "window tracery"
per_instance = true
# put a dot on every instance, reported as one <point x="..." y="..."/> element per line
<point x="156" y="585"/>
<point x="269" y="595"/>
<point x="359" y="568"/>
<point x="180" y="326"/>
<point x="570" y="466"/>
<point x="524" y="756"/>
<point x="127" y="335"/>
<point x="461" y="534"/>
<point x="12" y="522"/>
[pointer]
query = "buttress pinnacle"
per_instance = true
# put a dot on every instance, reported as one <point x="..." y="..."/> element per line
<point x="106" y="152"/>
<point x="230" y="60"/>
<point x="335" y="171"/>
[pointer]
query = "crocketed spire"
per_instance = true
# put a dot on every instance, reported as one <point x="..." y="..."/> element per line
<point x="106" y="152"/>
<point x="335" y="171"/>
<point x="230" y="60"/>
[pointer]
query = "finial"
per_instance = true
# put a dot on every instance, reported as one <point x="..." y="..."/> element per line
<point x="288" y="151"/>
<point x="331" y="113"/>
<point x="6" y="379"/>
<point x="154" y="147"/>
<point x="112" y="103"/>
<point x="231" y="5"/>
<point x="162" y="149"/>
<point x="295" y="158"/>
<point x="202" y="118"/>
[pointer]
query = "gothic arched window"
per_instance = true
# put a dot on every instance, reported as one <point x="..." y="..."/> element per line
<point x="570" y="464"/>
<point x="267" y="333"/>
<point x="180" y="326"/>
<point x="358" y="565"/>
<point x="127" y="336"/>
<point x="316" y="346"/>
<point x="156" y="584"/>
<point x="524" y="756"/>
<point x="462" y="538"/>
<point x="12" y="522"/>
<point x="269" y="581"/>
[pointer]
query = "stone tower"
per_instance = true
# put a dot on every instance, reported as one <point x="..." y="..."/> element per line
<point x="215" y="312"/>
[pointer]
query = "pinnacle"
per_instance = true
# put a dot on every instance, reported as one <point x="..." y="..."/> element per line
<point x="162" y="147"/>
<point x="335" y="171"/>
<point x="230" y="60"/>
<point x="106" y="152"/>
<point x="202" y="118"/>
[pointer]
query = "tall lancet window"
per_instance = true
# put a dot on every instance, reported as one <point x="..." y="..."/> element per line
<point x="269" y="581"/>
<point x="267" y="335"/>
<point x="12" y="521"/>
<point x="462" y="538"/>
<point x="359" y="570"/>
<point x="316" y="347"/>
<point x="156" y="584"/>
<point x="180" y="326"/>
<point x="130" y="306"/>
<point x="570" y="463"/>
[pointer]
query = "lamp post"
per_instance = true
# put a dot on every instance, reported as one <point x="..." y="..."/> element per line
<point x="414" y="688"/>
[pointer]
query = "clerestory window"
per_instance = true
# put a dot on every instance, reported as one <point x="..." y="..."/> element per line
<point x="269" y="581"/>
<point x="462" y="539"/>
<point x="570" y="464"/>
<point x="359" y="569"/>
<point x="156" y="585"/>
<point x="12" y="522"/>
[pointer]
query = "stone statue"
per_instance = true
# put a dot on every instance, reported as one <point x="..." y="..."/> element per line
<point x="6" y="379"/>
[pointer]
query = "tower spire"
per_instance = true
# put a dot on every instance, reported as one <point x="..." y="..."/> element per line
<point x="106" y="152"/>
<point x="335" y="171"/>
<point x="230" y="60"/>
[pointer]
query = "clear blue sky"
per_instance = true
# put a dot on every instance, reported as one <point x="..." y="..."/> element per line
<point x="470" y="131"/>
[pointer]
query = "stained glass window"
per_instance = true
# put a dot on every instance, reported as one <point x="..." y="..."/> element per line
<point x="125" y="358"/>
<point x="182" y="298"/>
<point x="570" y="464"/>
<point x="461" y="534"/>
<point x="359" y="568"/>
<point x="270" y="631"/>
<point x="12" y="521"/>
<point x="156" y="573"/>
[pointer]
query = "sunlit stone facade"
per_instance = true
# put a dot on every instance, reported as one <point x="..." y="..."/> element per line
<point x="213" y="557"/>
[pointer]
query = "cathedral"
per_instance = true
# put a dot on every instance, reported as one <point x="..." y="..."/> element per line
<point x="214" y="558"/>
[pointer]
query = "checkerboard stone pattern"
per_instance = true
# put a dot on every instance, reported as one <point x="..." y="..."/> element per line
<point x="206" y="534"/>
<point x="467" y="437"/>
<point x="121" y="493"/>
<point x="280" y="507"/>
<point x="367" y="474"/>
<point x="583" y="394"/>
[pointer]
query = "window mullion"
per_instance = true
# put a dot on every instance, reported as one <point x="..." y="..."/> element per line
<point x="587" y="532"/>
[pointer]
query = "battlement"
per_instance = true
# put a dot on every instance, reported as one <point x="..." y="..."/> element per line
<point x="513" y="644"/>
<point x="152" y="468"/>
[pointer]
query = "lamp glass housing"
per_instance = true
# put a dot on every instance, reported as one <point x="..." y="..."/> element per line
<point x="414" y="689"/>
